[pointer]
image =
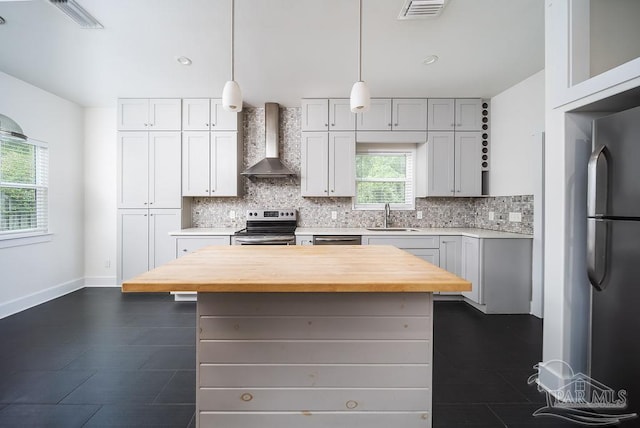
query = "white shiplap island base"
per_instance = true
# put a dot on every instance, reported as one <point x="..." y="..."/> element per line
<point x="306" y="337"/>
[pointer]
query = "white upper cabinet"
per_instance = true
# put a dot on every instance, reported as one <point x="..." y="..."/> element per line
<point x="441" y="114"/>
<point x="468" y="172"/>
<point x="148" y="167"/>
<point x="409" y="114"/>
<point x="314" y="174"/>
<point x="440" y="164"/>
<point x="342" y="164"/>
<point x="462" y="114"/>
<point x="210" y="164"/>
<point x="225" y="163"/>
<point x="195" y="163"/>
<point x="141" y="114"/>
<point x="397" y="114"/>
<point x="315" y="114"/>
<point x="203" y="114"/>
<point x="328" y="164"/>
<point x="327" y="115"/>
<point x="453" y="166"/>
<point x="341" y="118"/>
<point x="378" y="118"/>
<point x="468" y="114"/>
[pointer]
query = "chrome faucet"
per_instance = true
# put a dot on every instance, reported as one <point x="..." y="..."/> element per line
<point x="387" y="215"/>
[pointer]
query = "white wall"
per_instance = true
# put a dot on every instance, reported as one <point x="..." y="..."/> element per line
<point x="32" y="274"/>
<point x="516" y="114"/>
<point x="100" y="196"/>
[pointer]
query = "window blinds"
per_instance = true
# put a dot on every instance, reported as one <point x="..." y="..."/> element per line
<point x="24" y="171"/>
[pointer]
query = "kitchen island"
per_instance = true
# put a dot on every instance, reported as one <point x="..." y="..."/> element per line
<point x="297" y="336"/>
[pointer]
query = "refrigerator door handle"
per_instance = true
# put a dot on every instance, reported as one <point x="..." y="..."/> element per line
<point x="597" y="243"/>
<point x="597" y="182"/>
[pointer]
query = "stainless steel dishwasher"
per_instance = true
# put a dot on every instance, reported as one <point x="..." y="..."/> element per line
<point x="337" y="240"/>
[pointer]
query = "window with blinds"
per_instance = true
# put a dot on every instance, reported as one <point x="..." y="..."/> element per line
<point x="24" y="170"/>
<point x="384" y="177"/>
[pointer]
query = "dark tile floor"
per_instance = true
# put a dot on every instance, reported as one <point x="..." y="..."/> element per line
<point x="98" y="358"/>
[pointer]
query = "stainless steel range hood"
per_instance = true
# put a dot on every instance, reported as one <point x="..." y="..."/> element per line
<point x="271" y="166"/>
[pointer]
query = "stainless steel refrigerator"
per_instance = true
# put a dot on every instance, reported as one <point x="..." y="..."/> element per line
<point x="613" y="253"/>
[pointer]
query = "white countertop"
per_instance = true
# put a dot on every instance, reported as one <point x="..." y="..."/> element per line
<point x="471" y="232"/>
<point x="206" y="231"/>
<point x="444" y="231"/>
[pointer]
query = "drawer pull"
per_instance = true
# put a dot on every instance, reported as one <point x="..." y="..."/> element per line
<point x="351" y="404"/>
<point x="246" y="397"/>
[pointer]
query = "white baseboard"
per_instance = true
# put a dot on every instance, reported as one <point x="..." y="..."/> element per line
<point x="101" y="281"/>
<point x="34" y="299"/>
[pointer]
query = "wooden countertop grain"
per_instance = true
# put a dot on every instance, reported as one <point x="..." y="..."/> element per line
<point x="269" y="269"/>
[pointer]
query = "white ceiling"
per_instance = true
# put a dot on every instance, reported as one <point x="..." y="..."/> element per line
<point x="285" y="49"/>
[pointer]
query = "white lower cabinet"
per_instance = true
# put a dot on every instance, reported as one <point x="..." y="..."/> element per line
<point x="425" y="247"/>
<point x="144" y="241"/>
<point x="451" y="257"/>
<point x="500" y="273"/>
<point x="188" y="244"/>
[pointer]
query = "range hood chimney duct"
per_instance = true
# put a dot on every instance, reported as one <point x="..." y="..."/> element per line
<point x="271" y="166"/>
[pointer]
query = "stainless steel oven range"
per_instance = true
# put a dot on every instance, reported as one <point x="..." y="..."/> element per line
<point x="268" y="227"/>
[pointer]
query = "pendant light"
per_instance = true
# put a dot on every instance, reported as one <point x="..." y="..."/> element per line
<point x="10" y="130"/>
<point x="360" y="96"/>
<point x="231" y="94"/>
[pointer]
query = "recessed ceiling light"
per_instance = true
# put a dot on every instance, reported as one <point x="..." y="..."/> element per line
<point x="183" y="60"/>
<point x="430" y="59"/>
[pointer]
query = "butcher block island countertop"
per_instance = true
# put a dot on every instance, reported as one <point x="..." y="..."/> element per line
<point x="269" y="269"/>
<point x="309" y="336"/>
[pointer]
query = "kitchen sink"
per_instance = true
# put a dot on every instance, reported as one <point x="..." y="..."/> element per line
<point x="392" y="229"/>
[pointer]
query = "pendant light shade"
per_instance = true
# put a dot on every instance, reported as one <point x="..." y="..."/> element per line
<point x="360" y="96"/>
<point x="231" y="94"/>
<point x="10" y="130"/>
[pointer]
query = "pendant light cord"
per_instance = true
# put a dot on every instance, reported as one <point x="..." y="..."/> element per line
<point x="360" y="41"/>
<point x="233" y="21"/>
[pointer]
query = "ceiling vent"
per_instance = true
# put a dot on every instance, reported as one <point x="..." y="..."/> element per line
<point x="422" y="9"/>
<point x="74" y="11"/>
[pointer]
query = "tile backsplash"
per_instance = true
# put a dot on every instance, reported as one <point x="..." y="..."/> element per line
<point x="316" y="212"/>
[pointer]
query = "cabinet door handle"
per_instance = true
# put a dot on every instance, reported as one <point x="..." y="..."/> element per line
<point x="388" y="124"/>
<point x="326" y="124"/>
<point x="395" y="124"/>
<point x="184" y="250"/>
<point x="453" y="124"/>
<point x="332" y="190"/>
<point x="145" y="203"/>
<point x="333" y="124"/>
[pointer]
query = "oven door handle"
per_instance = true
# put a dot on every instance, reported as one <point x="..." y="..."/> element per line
<point x="258" y="240"/>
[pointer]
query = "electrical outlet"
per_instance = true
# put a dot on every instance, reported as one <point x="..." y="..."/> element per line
<point x="515" y="217"/>
<point x="492" y="216"/>
<point x="419" y="215"/>
<point x="334" y="215"/>
<point x="232" y="214"/>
